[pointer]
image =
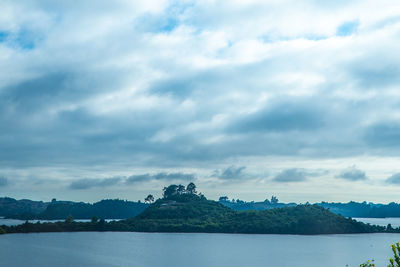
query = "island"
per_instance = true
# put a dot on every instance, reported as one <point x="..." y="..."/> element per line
<point x="182" y="209"/>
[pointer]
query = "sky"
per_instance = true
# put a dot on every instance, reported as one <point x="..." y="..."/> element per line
<point x="249" y="99"/>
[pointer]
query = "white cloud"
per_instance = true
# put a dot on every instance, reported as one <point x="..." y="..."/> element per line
<point x="184" y="83"/>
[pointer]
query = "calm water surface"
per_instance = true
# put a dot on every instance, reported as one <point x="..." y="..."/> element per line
<point x="395" y="222"/>
<point x="187" y="250"/>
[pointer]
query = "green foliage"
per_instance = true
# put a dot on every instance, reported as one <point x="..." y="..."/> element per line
<point x="181" y="210"/>
<point x="149" y="199"/>
<point x="396" y="253"/>
<point x="69" y="219"/>
<point x="2" y="231"/>
<point x="367" y="264"/>
<point x="94" y="219"/>
<point x="191" y="188"/>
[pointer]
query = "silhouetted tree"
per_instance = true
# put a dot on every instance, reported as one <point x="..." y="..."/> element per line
<point x="94" y="219"/>
<point x="180" y="190"/>
<point x="191" y="188"/>
<point x="170" y="191"/>
<point x="69" y="219"/>
<point x="224" y="198"/>
<point x="149" y="199"/>
<point x="274" y="200"/>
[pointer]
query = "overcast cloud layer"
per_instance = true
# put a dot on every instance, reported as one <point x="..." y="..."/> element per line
<point x="245" y="98"/>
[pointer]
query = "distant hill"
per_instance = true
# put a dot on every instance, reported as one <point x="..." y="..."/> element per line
<point x="10" y="207"/>
<point x="364" y="209"/>
<point x="350" y="209"/>
<point x="106" y="209"/>
<point x="56" y="210"/>
<point x="201" y="215"/>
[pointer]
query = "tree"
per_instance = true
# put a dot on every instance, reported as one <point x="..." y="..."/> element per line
<point x="69" y="219"/>
<point x="149" y="199"/>
<point x="94" y="219"/>
<point x="180" y="190"/>
<point x="170" y="191"/>
<point x="224" y="198"/>
<point x="274" y="200"/>
<point x="367" y="264"/>
<point x="191" y="188"/>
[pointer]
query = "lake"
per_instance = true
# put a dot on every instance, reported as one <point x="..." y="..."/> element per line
<point x="395" y="222"/>
<point x="191" y="250"/>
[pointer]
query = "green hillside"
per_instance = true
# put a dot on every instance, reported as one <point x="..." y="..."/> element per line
<point x="201" y="215"/>
<point x="183" y="210"/>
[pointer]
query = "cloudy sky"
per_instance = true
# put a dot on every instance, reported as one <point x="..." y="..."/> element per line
<point x="106" y="99"/>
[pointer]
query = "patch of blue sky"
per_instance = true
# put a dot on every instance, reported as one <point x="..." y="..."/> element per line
<point x="156" y="24"/>
<point x="3" y="36"/>
<point x="25" y="39"/>
<point x="22" y="39"/>
<point x="347" y="28"/>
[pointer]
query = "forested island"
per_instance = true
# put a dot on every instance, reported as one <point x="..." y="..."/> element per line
<point x="26" y="209"/>
<point x="182" y="209"/>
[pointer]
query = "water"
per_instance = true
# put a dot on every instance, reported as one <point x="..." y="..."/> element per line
<point x="194" y="250"/>
<point x="395" y="222"/>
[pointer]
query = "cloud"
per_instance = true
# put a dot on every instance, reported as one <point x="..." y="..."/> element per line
<point x="282" y="117"/>
<point x="383" y="135"/>
<point x="172" y="85"/>
<point x="232" y="172"/>
<point x="162" y="176"/>
<point x="290" y="175"/>
<point x="3" y="181"/>
<point x="87" y="183"/>
<point x="352" y="174"/>
<point x="394" y="179"/>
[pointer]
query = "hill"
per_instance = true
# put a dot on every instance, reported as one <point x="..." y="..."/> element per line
<point x="201" y="215"/>
<point x="10" y="207"/>
<point x="183" y="210"/>
<point x="106" y="209"/>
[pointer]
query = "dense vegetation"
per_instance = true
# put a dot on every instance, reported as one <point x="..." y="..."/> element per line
<point x="182" y="209"/>
<point x="364" y="209"/>
<point x="10" y="207"/>
<point x="350" y="209"/>
<point x="56" y="210"/>
<point x="119" y="209"/>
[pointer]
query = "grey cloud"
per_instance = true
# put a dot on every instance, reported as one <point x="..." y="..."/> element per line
<point x="162" y="176"/>
<point x="383" y="134"/>
<point x="352" y="174"/>
<point x="3" y="181"/>
<point x="280" y="117"/>
<point x="90" y="183"/>
<point x="290" y="175"/>
<point x="394" y="179"/>
<point x="232" y="172"/>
